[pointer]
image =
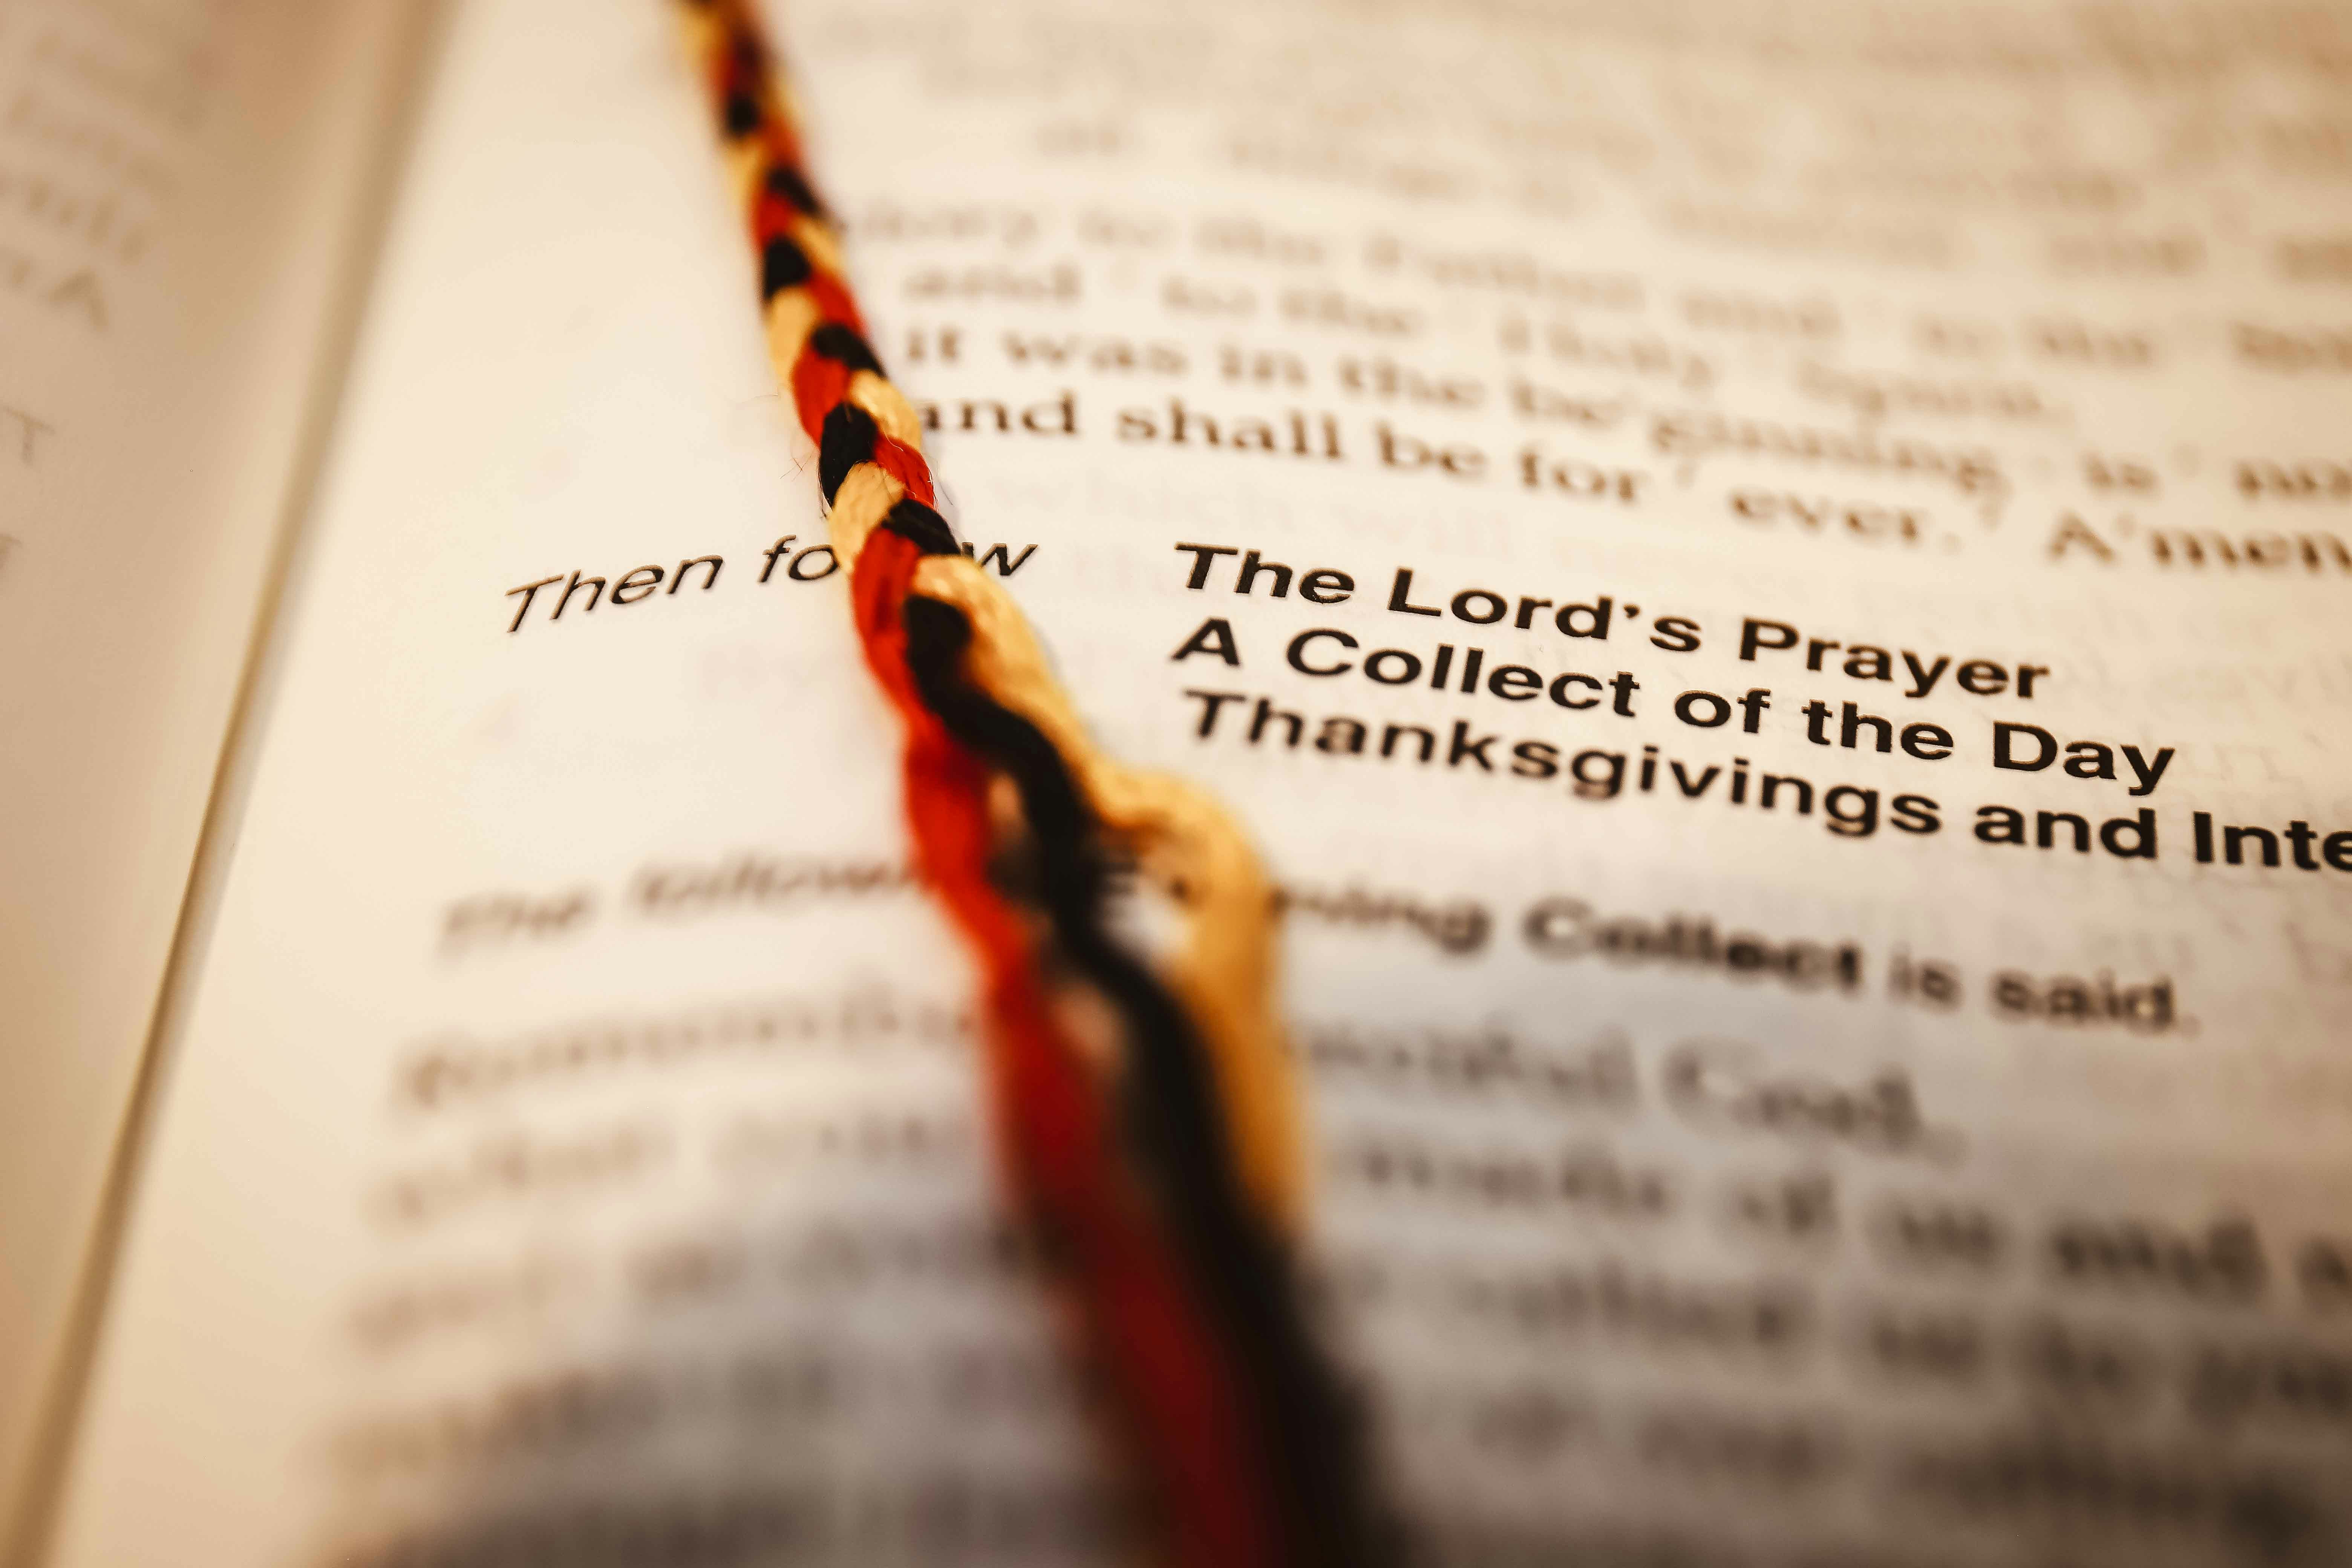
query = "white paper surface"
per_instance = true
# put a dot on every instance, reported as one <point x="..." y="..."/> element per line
<point x="571" y="1151"/>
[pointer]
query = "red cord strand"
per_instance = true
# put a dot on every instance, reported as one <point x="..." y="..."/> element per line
<point x="1182" y="1398"/>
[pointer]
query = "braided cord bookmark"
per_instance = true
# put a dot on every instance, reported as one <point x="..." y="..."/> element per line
<point x="1167" y="1174"/>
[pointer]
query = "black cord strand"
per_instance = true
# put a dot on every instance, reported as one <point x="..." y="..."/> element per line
<point x="1172" y="1108"/>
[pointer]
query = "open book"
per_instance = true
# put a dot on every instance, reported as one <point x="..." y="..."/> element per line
<point x="1771" y="586"/>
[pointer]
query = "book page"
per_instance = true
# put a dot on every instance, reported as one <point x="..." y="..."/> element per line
<point x="179" y="186"/>
<point x="1770" y="584"/>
